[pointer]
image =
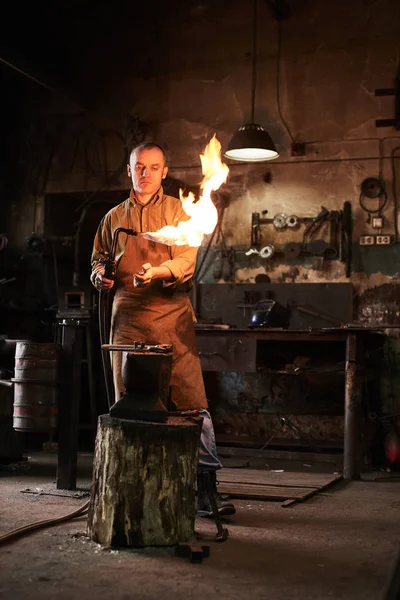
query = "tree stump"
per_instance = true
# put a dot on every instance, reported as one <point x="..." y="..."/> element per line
<point x="144" y="479"/>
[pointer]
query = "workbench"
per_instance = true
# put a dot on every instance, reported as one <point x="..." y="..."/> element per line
<point x="240" y="350"/>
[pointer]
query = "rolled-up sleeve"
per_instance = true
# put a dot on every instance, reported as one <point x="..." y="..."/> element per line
<point x="182" y="264"/>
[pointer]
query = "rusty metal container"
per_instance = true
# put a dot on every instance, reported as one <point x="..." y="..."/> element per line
<point x="35" y="386"/>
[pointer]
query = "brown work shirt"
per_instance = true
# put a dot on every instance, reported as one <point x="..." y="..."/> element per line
<point x="160" y="313"/>
<point x="161" y="210"/>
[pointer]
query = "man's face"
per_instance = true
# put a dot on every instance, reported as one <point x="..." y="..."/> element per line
<point x="146" y="169"/>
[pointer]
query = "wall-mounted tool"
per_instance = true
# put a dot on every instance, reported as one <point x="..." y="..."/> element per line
<point x="315" y="224"/>
<point x="338" y="246"/>
<point x="267" y="251"/>
<point x="279" y="221"/>
<point x="251" y="251"/>
<point x="292" y="250"/>
<point x="346" y="234"/>
<point x="292" y="221"/>
<point x="374" y="189"/>
<point x="310" y="310"/>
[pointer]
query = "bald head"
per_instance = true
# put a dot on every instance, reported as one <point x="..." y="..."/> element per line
<point x="149" y="146"/>
<point x="147" y="168"/>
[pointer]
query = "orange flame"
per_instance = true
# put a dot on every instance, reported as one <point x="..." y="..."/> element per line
<point x="203" y="214"/>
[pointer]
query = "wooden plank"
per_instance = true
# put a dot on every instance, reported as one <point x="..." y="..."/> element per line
<point x="235" y="488"/>
<point x="277" y="481"/>
<point x="271" y="485"/>
<point x="245" y="491"/>
<point x="324" y="487"/>
<point x="268" y="477"/>
<point x="289" y="487"/>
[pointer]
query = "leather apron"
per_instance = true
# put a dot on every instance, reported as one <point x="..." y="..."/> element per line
<point x="156" y="315"/>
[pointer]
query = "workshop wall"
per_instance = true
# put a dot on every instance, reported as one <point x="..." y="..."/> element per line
<point x="189" y="77"/>
<point x="197" y="82"/>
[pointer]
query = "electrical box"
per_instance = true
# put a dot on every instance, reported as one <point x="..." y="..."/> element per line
<point x="383" y="240"/>
<point x="377" y="222"/>
<point x="367" y="240"/>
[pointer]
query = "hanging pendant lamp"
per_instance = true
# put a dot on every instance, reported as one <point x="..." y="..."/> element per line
<point x="252" y="143"/>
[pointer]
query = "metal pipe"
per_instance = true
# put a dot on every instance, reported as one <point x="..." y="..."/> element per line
<point x="352" y="412"/>
<point x="6" y="383"/>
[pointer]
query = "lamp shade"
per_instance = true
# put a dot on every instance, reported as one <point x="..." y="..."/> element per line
<point x="251" y="143"/>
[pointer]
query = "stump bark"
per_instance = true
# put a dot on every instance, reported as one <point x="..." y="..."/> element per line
<point x="144" y="478"/>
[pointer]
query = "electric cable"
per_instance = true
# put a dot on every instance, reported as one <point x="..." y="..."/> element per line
<point x="381" y="157"/>
<point x="197" y="275"/>
<point x="76" y="272"/>
<point x="105" y="309"/>
<point x="263" y="447"/>
<point x="100" y="152"/>
<point x="254" y="61"/>
<point x="278" y="68"/>
<point x="381" y="205"/>
<point x="14" y="533"/>
<point x="116" y="174"/>
<point x="217" y="228"/>
<point x="228" y="253"/>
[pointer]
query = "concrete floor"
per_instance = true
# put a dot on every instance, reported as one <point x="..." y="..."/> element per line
<point x="340" y="544"/>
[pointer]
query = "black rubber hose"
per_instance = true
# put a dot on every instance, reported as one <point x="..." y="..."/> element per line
<point x="11" y="535"/>
<point x="104" y="328"/>
<point x="105" y="303"/>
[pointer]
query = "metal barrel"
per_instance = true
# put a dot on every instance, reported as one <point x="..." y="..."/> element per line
<point x="35" y="386"/>
<point x="7" y="352"/>
<point x="10" y="440"/>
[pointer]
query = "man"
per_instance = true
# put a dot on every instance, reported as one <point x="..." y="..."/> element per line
<point x="151" y="302"/>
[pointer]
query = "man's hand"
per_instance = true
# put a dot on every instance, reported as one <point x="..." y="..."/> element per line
<point x="144" y="277"/>
<point x="101" y="283"/>
<point x="148" y="273"/>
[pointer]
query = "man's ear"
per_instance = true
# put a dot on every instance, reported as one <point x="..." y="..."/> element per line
<point x="165" y="171"/>
<point x="128" y="170"/>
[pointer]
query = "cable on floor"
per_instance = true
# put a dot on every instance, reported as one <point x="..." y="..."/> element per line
<point x="7" y="537"/>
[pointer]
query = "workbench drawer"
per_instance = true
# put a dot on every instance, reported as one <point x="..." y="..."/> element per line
<point x="229" y="355"/>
